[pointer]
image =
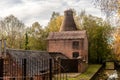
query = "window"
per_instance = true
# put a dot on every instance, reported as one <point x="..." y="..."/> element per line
<point x="75" y="54"/>
<point x="75" y="45"/>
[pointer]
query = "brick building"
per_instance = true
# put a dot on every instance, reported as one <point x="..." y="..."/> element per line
<point x="37" y="65"/>
<point x="29" y="65"/>
<point x="69" y="44"/>
<point x="70" y="41"/>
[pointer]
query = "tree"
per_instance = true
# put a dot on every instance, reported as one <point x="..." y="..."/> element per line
<point x="110" y="7"/>
<point x="13" y="30"/>
<point x="111" y="10"/>
<point x="54" y="15"/>
<point x="79" y="19"/>
<point x="98" y="32"/>
<point x="116" y="43"/>
<point x="26" y="41"/>
<point x="37" y="37"/>
<point x="55" y="23"/>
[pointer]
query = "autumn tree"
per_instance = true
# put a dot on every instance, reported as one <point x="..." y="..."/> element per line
<point x="36" y="37"/>
<point x="13" y="30"/>
<point x="54" y="23"/>
<point x="111" y="10"/>
<point x="116" y="43"/>
<point x="109" y="7"/>
<point x="98" y="32"/>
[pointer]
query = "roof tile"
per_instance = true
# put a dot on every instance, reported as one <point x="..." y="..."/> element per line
<point x="67" y="35"/>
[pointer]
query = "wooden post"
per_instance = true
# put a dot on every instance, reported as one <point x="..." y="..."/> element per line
<point x="0" y="48"/>
<point x="1" y="69"/>
<point x="50" y="68"/>
<point x="24" y="62"/>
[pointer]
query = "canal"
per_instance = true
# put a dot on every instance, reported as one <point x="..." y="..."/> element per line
<point x="110" y="71"/>
<point x="108" y="75"/>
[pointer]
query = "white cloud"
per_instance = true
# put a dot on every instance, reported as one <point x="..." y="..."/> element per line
<point x="29" y="11"/>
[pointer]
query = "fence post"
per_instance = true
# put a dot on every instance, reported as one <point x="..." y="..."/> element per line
<point x="50" y="68"/>
<point x="1" y="69"/>
<point x="24" y="68"/>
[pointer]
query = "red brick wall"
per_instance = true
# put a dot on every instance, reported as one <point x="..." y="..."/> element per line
<point x="86" y="48"/>
<point x="38" y="77"/>
<point x="65" y="47"/>
<point x="82" y="66"/>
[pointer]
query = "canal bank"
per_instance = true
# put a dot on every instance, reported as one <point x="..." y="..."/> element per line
<point x="89" y="74"/>
<point x="108" y="71"/>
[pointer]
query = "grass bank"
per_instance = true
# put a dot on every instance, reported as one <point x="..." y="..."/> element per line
<point x="92" y="69"/>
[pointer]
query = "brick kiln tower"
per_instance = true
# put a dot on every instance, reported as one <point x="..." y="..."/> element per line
<point x="68" y="23"/>
<point x="69" y="40"/>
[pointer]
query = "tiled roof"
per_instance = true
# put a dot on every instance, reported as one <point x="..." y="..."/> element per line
<point x="37" y="61"/>
<point x="67" y="35"/>
<point x="56" y="55"/>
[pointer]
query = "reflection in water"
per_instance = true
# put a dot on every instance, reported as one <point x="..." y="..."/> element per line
<point x="113" y="76"/>
<point x="108" y="75"/>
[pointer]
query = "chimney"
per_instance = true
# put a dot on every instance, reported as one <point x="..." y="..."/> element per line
<point x="68" y="23"/>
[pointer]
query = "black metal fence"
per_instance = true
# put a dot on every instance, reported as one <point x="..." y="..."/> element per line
<point x="69" y="65"/>
<point x="30" y="69"/>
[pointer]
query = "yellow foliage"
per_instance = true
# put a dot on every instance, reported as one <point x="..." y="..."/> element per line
<point x="54" y="24"/>
<point x="117" y="44"/>
<point x="118" y="3"/>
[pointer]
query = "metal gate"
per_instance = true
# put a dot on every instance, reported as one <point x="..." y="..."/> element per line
<point x="30" y="69"/>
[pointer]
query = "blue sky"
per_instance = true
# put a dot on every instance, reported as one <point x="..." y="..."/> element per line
<point x="29" y="11"/>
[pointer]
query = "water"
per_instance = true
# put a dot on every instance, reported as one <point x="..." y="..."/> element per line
<point x="109" y="75"/>
<point x="113" y="75"/>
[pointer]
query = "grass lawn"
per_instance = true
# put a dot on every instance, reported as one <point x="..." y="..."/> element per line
<point x="92" y="69"/>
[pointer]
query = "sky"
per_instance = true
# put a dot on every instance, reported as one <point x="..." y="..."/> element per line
<point x="30" y="11"/>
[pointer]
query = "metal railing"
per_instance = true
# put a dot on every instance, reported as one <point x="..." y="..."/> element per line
<point x="30" y="69"/>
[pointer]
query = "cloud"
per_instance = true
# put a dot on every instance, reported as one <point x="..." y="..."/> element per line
<point x="29" y="11"/>
<point x="9" y="3"/>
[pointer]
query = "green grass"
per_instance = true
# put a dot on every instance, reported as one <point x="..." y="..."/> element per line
<point x="109" y="65"/>
<point x="92" y="69"/>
